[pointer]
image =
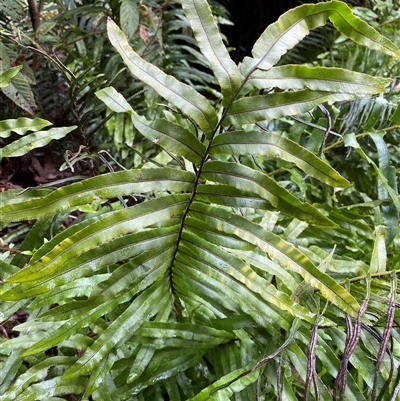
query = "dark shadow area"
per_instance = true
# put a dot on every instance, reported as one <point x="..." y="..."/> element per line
<point x="250" y="18"/>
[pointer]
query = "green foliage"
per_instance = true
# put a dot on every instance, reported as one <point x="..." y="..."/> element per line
<point x="65" y="55"/>
<point x="228" y="265"/>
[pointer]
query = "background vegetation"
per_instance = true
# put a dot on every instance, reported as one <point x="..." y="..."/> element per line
<point x="177" y="227"/>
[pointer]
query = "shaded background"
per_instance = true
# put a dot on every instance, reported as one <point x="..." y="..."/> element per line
<point x="250" y="18"/>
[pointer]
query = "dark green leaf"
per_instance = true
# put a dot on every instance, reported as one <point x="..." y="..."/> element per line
<point x="317" y="78"/>
<point x="245" y="178"/>
<point x="182" y="96"/>
<point x="277" y="146"/>
<point x="259" y="108"/>
<point x="211" y="45"/>
<point x="32" y="141"/>
<point x="104" y="186"/>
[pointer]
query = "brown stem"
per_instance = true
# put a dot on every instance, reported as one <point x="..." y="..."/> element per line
<point x="5" y="248"/>
<point x="35" y="15"/>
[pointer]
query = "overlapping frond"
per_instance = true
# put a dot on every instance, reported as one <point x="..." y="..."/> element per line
<point x="197" y="281"/>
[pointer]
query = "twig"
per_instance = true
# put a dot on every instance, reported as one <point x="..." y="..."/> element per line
<point x="328" y="128"/>
<point x="100" y="32"/>
<point x="312" y="125"/>
<point x="385" y="339"/>
<point x="352" y="338"/>
<point x="7" y="249"/>
<point x="311" y="371"/>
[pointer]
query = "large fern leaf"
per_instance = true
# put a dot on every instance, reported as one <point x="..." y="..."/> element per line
<point x="202" y="281"/>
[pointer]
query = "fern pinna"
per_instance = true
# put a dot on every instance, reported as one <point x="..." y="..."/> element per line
<point x="204" y="290"/>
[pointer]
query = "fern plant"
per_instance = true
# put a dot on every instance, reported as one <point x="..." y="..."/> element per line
<point x="205" y="288"/>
